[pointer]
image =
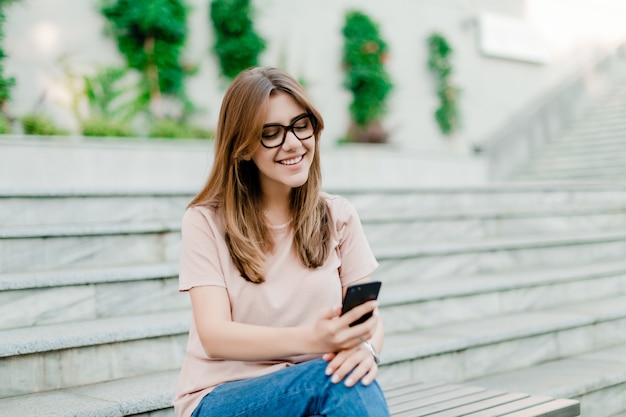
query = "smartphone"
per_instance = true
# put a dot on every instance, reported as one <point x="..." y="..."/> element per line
<point x="358" y="294"/>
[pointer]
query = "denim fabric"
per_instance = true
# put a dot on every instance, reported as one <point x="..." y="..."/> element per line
<point x="301" y="390"/>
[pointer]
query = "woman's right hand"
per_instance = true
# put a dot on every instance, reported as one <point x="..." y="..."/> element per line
<point x="332" y="331"/>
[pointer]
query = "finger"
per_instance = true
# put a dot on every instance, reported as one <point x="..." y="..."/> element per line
<point x="359" y="311"/>
<point x="349" y="364"/>
<point x="328" y="357"/>
<point x="359" y="372"/>
<point x="336" y="361"/>
<point x="371" y="375"/>
<point x="363" y="332"/>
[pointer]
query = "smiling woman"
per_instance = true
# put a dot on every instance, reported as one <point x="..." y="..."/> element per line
<point x="260" y="241"/>
<point x="285" y="157"/>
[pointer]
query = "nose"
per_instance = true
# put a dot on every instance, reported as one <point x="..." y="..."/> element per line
<point x="291" y="141"/>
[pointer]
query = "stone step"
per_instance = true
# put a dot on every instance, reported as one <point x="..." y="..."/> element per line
<point x="566" y="166"/>
<point x="572" y="146"/>
<point x="479" y="348"/>
<point x="597" y="379"/>
<point x="599" y="135"/>
<point x="43" y="358"/>
<point x="453" y="352"/>
<point x="83" y="246"/>
<point x="121" y="398"/>
<point x="602" y="134"/>
<point x="149" y="393"/>
<point x="94" y="207"/>
<point x="613" y="121"/>
<point x="142" y="244"/>
<point x="503" y="196"/>
<point x="616" y="174"/>
<point x="595" y="159"/>
<point x="612" y="101"/>
<point x="32" y="248"/>
<point x="409" y="306"/>
<point x="445" y="259"/>
<point x="142" y="396"/>
<point x="391" y="228"/>
<point x="579" y="151"/>
<point x="39" y="298"/>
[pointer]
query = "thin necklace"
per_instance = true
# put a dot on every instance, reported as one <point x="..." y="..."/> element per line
<point x="276" y="226"/>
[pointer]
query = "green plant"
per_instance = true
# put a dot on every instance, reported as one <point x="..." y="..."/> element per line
<point x="6" y="83"/>
<point x="151" y="35"/>
<point x="447" y="114"/>
<point x="40" y="124"/>
<point x="5" y="125"/>
<point x="237" y="45"/>
<point x="100" y="126"/>
<point x="107" y="95"/>
<point x="170" y="128"/>
<point x="364" y="56"/>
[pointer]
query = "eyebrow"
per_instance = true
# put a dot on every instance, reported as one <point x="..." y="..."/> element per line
<point x="292" y="120"/>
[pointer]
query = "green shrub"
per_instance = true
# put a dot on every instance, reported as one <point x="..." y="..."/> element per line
<point x="6" y="83"/>
<point x="40" y="124"/>
<point x="5" y="125"/>
<point x="105" y="127"/>
<point x="365" y="74"/>
<point x="151" y="35"/>
<point x="447" y="114"/>
<point x="170" y="128"/>
<point x="237" y="45"/>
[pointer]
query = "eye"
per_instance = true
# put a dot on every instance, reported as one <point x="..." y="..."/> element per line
<point x="271" y="132"/>
<point x="302" y="124"/>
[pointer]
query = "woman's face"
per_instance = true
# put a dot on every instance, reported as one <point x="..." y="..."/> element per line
<point x="285" y="166"/>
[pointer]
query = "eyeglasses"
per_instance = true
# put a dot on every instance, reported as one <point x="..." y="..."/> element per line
<point x="274" y="134"/>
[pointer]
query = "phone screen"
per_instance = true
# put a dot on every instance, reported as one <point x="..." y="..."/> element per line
<point x="358" y="294"/>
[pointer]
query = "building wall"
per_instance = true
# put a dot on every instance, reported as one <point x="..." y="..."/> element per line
<point x="46" y="38"/>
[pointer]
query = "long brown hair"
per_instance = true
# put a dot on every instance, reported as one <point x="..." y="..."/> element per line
<point x="234" y="185"/>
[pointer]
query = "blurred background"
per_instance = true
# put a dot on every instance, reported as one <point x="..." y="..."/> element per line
<point x="505" y="58"/>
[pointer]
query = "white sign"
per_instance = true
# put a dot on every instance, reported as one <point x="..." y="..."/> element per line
<point x="507" y="37"/>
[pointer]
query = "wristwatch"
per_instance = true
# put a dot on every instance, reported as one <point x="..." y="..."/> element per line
<point x="372" y="349"/>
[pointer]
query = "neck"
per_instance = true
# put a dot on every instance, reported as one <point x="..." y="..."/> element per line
<point x="277" y="211"/>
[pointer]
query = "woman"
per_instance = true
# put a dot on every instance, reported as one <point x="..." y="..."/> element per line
<point x="266" y="258"/>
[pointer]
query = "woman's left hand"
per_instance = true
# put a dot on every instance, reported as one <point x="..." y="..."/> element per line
<point x="357" y="364"/>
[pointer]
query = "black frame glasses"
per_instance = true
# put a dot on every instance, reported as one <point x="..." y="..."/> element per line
<point x="292" y="127"/>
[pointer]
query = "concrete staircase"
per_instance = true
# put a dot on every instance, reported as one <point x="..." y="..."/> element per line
<point x="516" y="287"/>
<point x="592" y="149"/>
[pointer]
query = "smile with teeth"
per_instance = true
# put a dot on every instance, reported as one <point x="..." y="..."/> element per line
<point x="292" y="161"/>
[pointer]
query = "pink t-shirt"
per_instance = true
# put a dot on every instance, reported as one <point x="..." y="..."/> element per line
<point x="292" y="294"/>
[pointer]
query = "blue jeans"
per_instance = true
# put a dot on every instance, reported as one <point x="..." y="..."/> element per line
<point x="301" y="390"/>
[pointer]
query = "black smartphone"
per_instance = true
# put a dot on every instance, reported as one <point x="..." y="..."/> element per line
<point x="358" y="294"/>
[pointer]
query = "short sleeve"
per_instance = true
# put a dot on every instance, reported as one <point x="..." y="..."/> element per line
<point x="357" y="258"/>
<point x="200" y="255"/>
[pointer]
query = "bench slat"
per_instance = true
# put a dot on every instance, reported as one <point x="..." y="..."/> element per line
<point x="415" y="389"/>
<point x="422" y="394"/>
<point x="512" y="407"/>
<point x="450" y="405"/>
<point x="555" y="408"/>
<point x="480" y="405"/>
<point x="434" y="399"/>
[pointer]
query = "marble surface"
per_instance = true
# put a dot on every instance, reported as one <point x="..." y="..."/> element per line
<point x="90" y="209"/>
<point x="91" y="364"/>
<point x="496" y="281"/>
<point x="116" y="248"/>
